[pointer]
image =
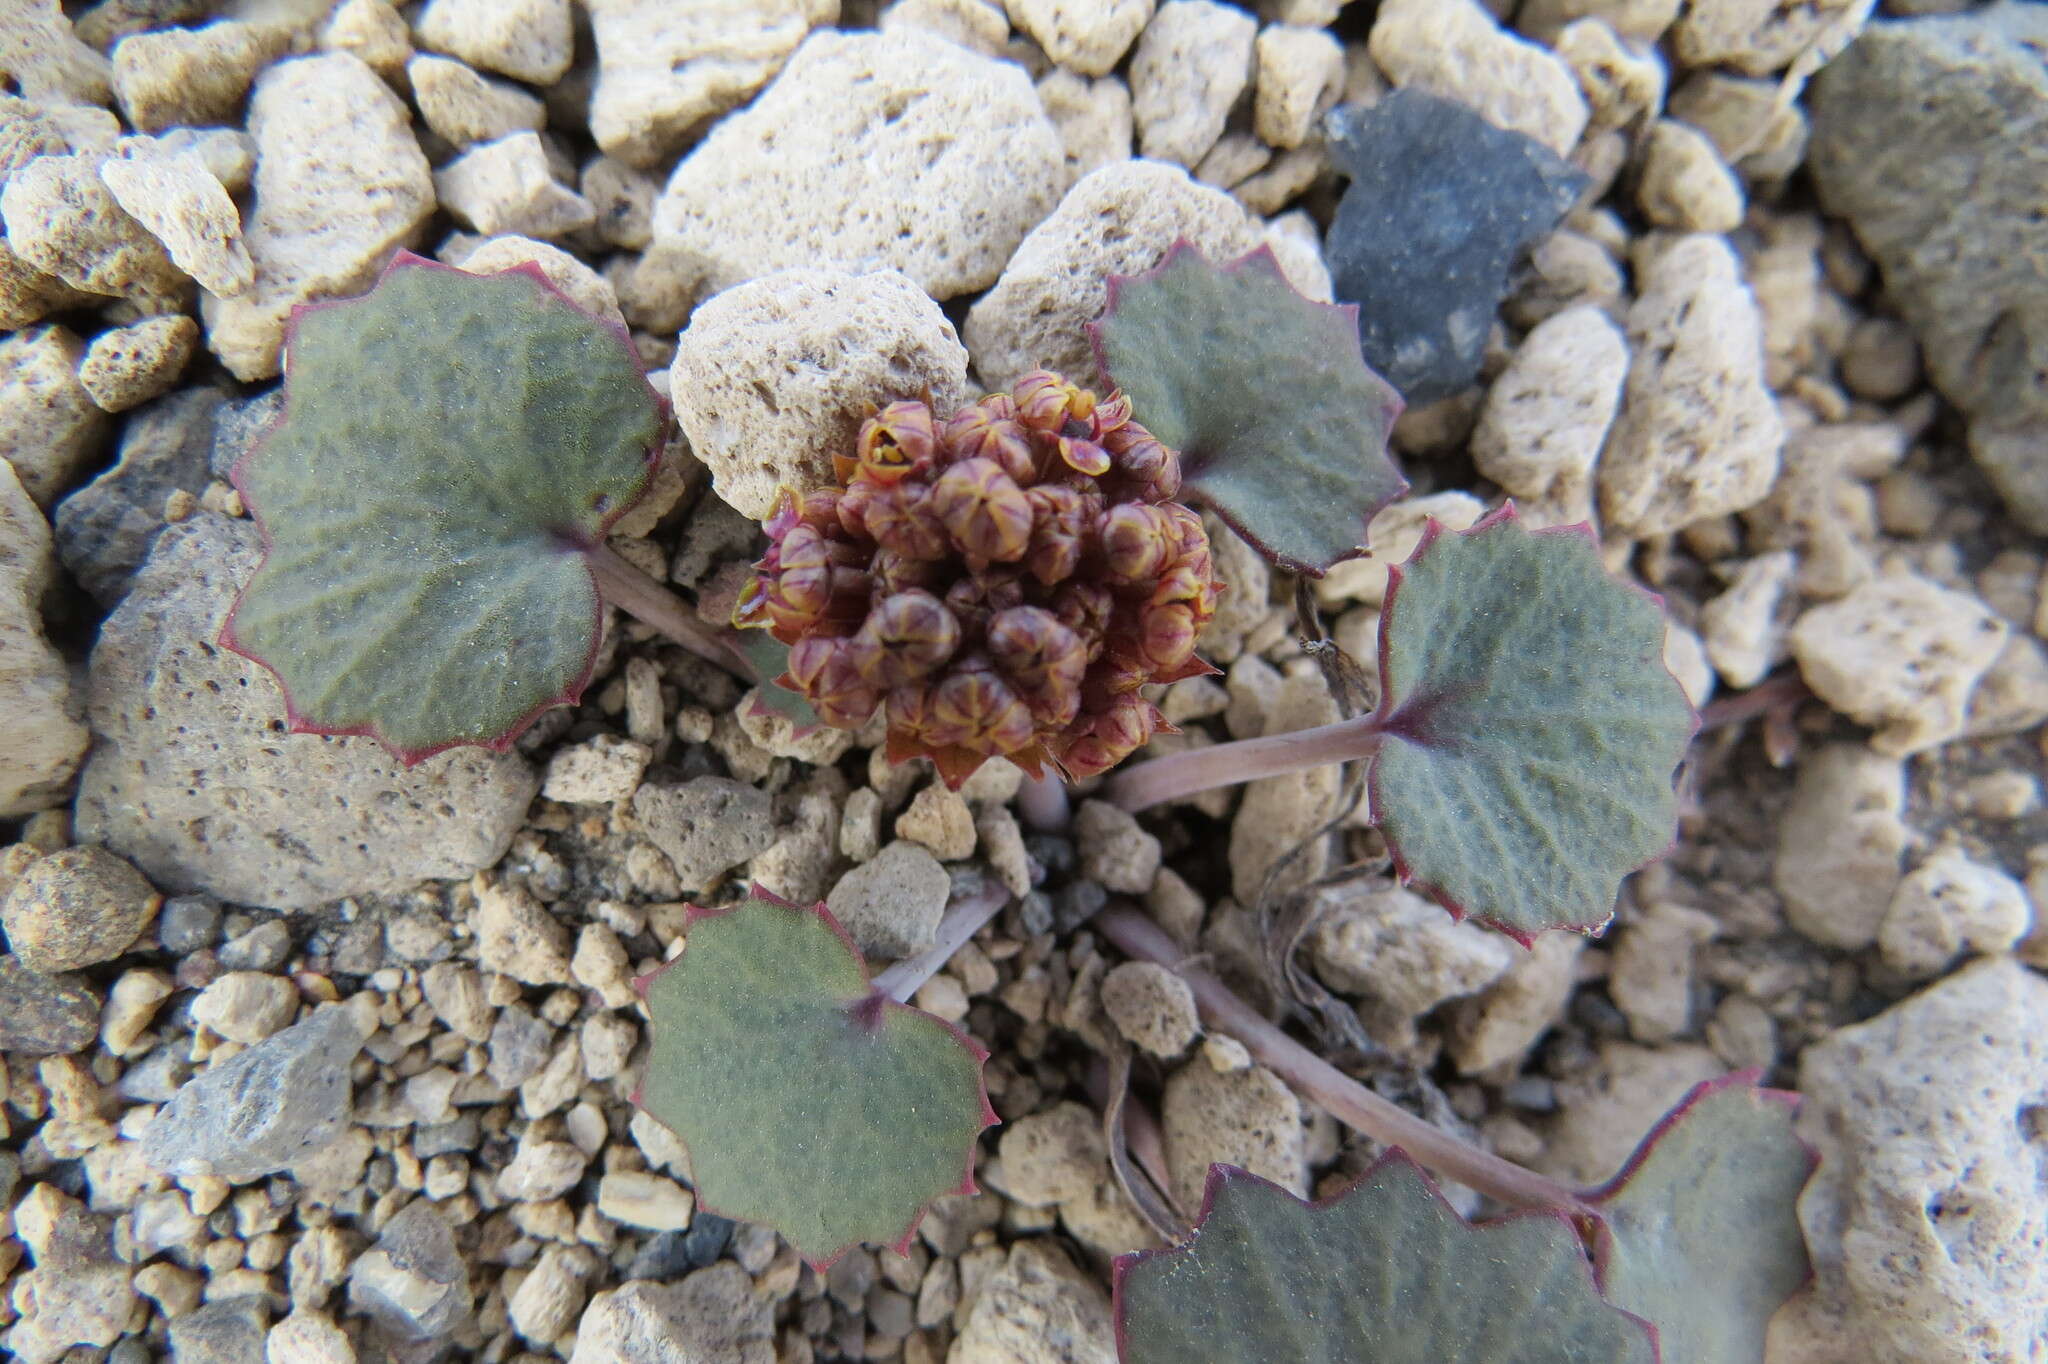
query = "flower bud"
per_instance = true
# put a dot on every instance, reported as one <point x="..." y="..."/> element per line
<point x="1138" y="541"/>
<point x="978" y="433"/>
<point x="905" y="637"/>
<point x="972" y="708"/>
<point x="1084" y="608"/>
<point x="1046" y="402"/>
<point x="901" y="519"/>
<point x="892" y="443"/>
<point x="977" y="597"/>
<point x="1062" y="516"/>
<point x="822" y="668"/>
<point x="1149" y="465"/>
<point x="985" y="512"/>
<point x="1042" y="658"/>
<point x="1100" y="741"/>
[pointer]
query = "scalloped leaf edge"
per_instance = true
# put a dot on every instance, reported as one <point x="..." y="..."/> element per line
<point x="1432" y="530"/>
<point x="295" y="719"/>
<point x="1263" y="255"/>
<point x="874" y="1001"/>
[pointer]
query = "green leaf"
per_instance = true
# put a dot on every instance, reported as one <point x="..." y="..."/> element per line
<point x="1385" y="1273"/>
<point x="807" y="1101"/>
<point x="1529" y="727"/>
<point x="1281" y="427"/>
<point x="769" y="658"/>
<point x="1701" y="1236"/>
<point x="450" y="445"/>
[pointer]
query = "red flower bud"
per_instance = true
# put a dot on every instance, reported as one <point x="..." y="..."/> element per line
<point x="901" y="519"/>
<point x="974" y="599"/>
<point x="978" y="433"/>
<point x="1146" y="463"/>
<point x="1100" y="741"/>
<point x="1046" y="402"/>
<point x="822" y="668"/>
<point x="1043" y="659"/>
<point x="892" y="443"/>
<point x="985" y="512"/>
<point x="905" y="637"/>
<point x="972" y="708"/>
<point x="1062" y="517"/>
<point x="1138" y="541"/>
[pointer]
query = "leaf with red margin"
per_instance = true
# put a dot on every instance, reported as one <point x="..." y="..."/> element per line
<point x="1529" y="728"/>
<point x="807" y="1101"/>
<point x="1281" y="427"/>
<point x="1384" y="1273"/>
<point x="451" y="446"/>
<point x="1700" y="1233"/>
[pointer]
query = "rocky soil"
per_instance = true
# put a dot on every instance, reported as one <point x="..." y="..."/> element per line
<point x="313" y="1057"/>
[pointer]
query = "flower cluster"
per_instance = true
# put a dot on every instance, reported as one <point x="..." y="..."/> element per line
<point x="1000" y="583"/>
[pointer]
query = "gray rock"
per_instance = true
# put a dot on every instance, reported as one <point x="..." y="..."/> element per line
<point x="45" y="1015"/>
<point x="520" y="1045"/>
<point x="156" y="1077"/>
<point x="194" y="779"/>
<point x="264" y="1109"/>
<point x="227" y="1332"/>
<point x="188" y="923"/>
<point x="262" y="948"/>
<point x="1441" y="204"/>
<point x="104" y="530"/>
<point x="891" y="904"/>
<point x="711" y="1317"/>
<point x="236" y="425"/>
<point x="412" y="1283"/>
<point x="1927" y="138"/>
<point x="706" y="827"/>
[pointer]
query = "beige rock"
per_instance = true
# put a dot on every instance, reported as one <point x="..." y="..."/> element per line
<point x="50" y="429"/>
<point x="1699" y="434"/>
<point x="584" y="286"/>
<point x="508" y="186"/>
<point x="1684" y="185"/>
<point x="941" y="821"/>
<point x="665" y="71"/>
<point x="340" y="184"/>
<point x="1393" y="535"/>
<point x="76" y="908"/>
<point x="1278" y="812"/>
<point x="131" y="1003"/>
<point x="772" y="378"/>
<point x="44" y="60"/>
<point x="191" y="77"/>
<point x="1548" y="414"/>
<point x="1300" y="76"/>
<point x="1497" y="1027"/>
<point x="1117" y="220"/>
<point x="77" y="1294"/>
<point x="1651" y="976"/>
<point x="1744" y="634"/>
<point x="1248" y="1118"/>
<point x="1037" y="1309"/>
<point x="456" y="995"/>
<point x="600" y="769"/>
<point x="246" y="1006"/>
<point x="980" y="25"/>
<point x="969" y="159"/>
<point x="27" y="295"/>
<point x="1192" y="62"/>
<point x="1641" y="20"/>
<point x="549" y="1298"/>
<point x="1839" y="844"/>
<point x="467" y="108"/>
<point x="799" y="866"/>
<point x="1948" y="906"/>
<point x="38" y="712"/>
<point x="711" y="1315"/>
<point x="540" y="1170"/>
<point x="2012" y="694"/>
<point x="1053" y="1156"/>
<point x="1564" y="270"/>
<point x="1093" y="119"/>
<point x="127" y="366"/>
<point x="643" y="1200"/>
<point x="1755" y="132"/>
<point x="1901" y="655"/>
<point x="860" y="826"/>
<point x="528" y="40"/>
<point x="1086" y="36"/>
<point x="623" y="200"/>
<point x="181" y="203"/>
<point x="1454" y="49"/>
<point x="1606" y="1111"/>
<point x="1758" y="37"/>
<point x="373" y="31"/>
<point x="1116" y="850"/>
<point x="706" y="826"/>
<point x="1152" y="1007"/>
<point x="1622" y="84"/>
<point x="891" y="904"/>
<point x="1402" y="954"/>
<point x="1923" y="1214"/>
<point x="63" y="221"/>
<point x="516" y="936"/>
<point x="308" y="1337"/>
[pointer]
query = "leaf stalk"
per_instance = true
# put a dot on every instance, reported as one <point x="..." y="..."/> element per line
<point x="1147" y="784"/>
<point x="647" y="601"/>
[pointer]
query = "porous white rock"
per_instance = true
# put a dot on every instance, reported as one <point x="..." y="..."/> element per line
<point x="509" y="186"/>
<point x="665" y="70"/>
<point x="42" y="58"/>
<point x="1402" y="955"/>
<point x="979" y="25"/>
<point x="1118" y="220"/>
<point x="1502" y="1023"/>
<point x="183" y="204"/>
<point x="1839" y="844"/>
<point x="711" y="1315"/>
<point x="528" y="40"/>
<point x="772" y="378"/>
<point x="38" y="712"/>
<point x="372" y="30"/>
<point x="1651" y="975"/>
<point x="891" y="904"/>
<point x="1699" y="434"/>
<point x="1454" y="49"/>
<point x="125" y="367"/>
<point x="1037" y="1309"/>
<point x="1248" y="1118"/>
<point x="1116" y="851"/>
<point x="1926" y="1215"/>
<point x="1547" y="416"/>
<point x="1757" y="37"/>
<point x="601" y="769"/>
<point x="1093" y="118"/>
<point x="1392" y="536"/>
<point x="1949" y="905"/>
<point x="50" y="428"/>
<point x="65" y="222"/>
<point x="195" y="780"/>
<point x="1192" y="62"/>
<point x="1744" y="636"/>
<point x="1052" y="1156"/>
<point x="870" y="149"/>
<point x="340" y="185"/>
<point x="467" y="107"/>
<point x="1901" y="655"/>
<point x="584" y="286"/>
<point x="1300" y="75"/>
<point x="1642" y="20"/>
<point x="191" y="77"/>
<point x="1684" y="184"/>
<point x="1622" y="83"/>
<point x="1087" y="36"/>
<point x="1152" y="1007"/>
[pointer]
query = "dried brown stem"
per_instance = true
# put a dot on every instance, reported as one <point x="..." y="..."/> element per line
<point x="1148" y="783"/>
<point x="1347" y="1100"/>
<point x="646" y="600"/>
